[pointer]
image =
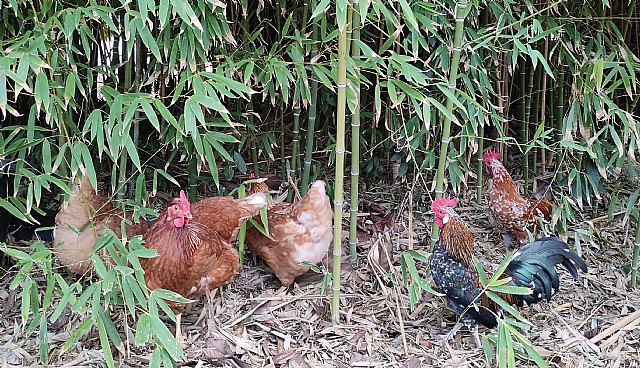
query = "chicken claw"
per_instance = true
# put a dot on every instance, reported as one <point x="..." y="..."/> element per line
<point x="452" y="334"/>
<point x="449" y="336"/>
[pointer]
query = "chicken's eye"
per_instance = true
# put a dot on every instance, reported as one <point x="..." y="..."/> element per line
<point x="175" y="207"/>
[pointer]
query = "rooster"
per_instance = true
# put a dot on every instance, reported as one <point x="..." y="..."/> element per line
<point x="299" y="232"/>
<point x="194" y="248"/>
<point x="83" y="220"/>
<point x="515" y="213"/>
<point x="455" y="275"/>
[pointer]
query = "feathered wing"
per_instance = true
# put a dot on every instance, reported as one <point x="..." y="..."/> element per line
<point x="461" y="287"/>
<point x="190" y="259"/>
<point x="225" y="214"/>
<point x="513" y="211"/>
<point x="534" y="266"/>
<point x="299" y="232"/>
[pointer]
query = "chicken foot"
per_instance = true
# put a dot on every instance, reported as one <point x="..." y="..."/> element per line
<point x="449" y="336"/>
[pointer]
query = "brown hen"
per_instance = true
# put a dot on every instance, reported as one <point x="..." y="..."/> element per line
<point x="515" y="213"/>
<point x="82" y="220"/>
<point x="194" y="248"/>
<point x="301" y="231"/>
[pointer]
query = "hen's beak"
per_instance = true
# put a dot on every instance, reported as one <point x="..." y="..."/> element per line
<point x="188" y="216"/>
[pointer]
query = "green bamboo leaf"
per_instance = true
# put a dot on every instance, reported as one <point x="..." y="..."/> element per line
<point x="149" y="41"/>
<point x="576" y="146"/>
<point x="104" y="341"/>
<point x="408" y="13"/>
<point x="320" y="9"/>
<point x="443" y="110"/>
<point x="13" y="210"/>
<point x="26" y="300"/>
<point x="43" y="341"/>
<point x="510" y="289"/>
<point x="163" y="13"/>
<point x="185" y="12"/>
<point x="78" y="333"/>
<point x="151" y="114"/>
<point x="616" y="139"/>
<point x="166" y="114"/>
<point x="527" y="346"/>
<point x="143" y="329"/>
<point x="41" y="94"/>
<point x="132" y="152"/>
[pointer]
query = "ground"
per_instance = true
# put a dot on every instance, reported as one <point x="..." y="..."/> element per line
<point x="594" y="322"/>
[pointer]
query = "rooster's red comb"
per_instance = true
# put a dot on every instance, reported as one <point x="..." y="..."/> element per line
<point x="490" y="155"/>
<point x="184" y="202"/>
<point x="444" y="202"/>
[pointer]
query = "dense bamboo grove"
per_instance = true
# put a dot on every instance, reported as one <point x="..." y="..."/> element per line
<point x="152" y="95"/>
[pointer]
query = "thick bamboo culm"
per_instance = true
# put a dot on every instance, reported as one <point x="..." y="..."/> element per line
<point x="355" y="152"/>
<point x="338" y="194"/>
<point x="311" y="116"/>
<point x="461" y="13"/>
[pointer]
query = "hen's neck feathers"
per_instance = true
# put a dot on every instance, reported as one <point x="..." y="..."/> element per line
<point x="501" y="177"/>
<point x="185" y="238"/>
<point x="457" y="240"/>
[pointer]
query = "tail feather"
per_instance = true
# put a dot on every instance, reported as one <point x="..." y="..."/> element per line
<point x="534" y="266"/>
<point x="252" y="204"/>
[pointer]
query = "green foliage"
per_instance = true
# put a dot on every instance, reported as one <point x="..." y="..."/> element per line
<point x="100" y="301"/>
<point x="161" y="93"/>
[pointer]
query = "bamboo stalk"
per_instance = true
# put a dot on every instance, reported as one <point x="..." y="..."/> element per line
<point x="192" y="172"/>
<point x="122" y="165"/>
<point x="535" y="107"/>
<point x="627" y="24"/>
<point x="461" y="12"/>
<point x="311" y="118"/>
<point x="525" y="129"/>
<point x="355" y="151"/>
<point x="253" y="139"/>
<point x="559" y="110"/>
<point x="293" y="168"/>
<point x="283" y="163"/>
<point x="339" y="183"/>
<point x="242" y="233"/>
<point x="480" y="168"/>
<point x="543" y="102"/>
<point x="636" y="253"/>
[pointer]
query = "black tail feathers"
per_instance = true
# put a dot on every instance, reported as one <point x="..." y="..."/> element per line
<point x="534" y="266"/>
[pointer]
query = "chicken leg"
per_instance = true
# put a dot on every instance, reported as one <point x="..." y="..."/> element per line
<point x="452" y="334"/>
<point x="179" y="337"/>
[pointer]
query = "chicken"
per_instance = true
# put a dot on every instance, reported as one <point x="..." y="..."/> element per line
<point x="455" y="275"/>
<point x="516" y="214"/>
<point x="301" y="231"/>
<point x="194" y="258"/>
<point x="226" y="214"/>
<point x="82" y="220"/>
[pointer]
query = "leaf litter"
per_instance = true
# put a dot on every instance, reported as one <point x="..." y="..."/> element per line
<point x="253" y="322"/>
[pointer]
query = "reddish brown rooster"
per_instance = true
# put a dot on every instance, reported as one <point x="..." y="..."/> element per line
<point x="300" y="232"/>
<point x="516" y="214"/>
<point x="82" y="220"/>
<point x="455" y="275"/>
<point x="193" y="245"/>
